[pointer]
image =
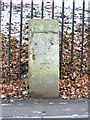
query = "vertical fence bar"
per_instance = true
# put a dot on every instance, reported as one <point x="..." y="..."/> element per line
<point x="89" y="37"/>
<point x="89" y="15"/>
<point x="20" y="44"/>
<point x="52" y="9"/>
<point x="62" y="40"/>
<point x="9" y="42"/>
<point x="72" y="42"/>
<point x="82" y="47"/>
<point x="0" y="45"/>
<point x="32" y="9"/>
<point x="42" y="8"/>
<point x="0" y="16"/>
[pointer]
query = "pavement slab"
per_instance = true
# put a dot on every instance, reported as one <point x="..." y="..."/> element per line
<point x="47" y="109"/>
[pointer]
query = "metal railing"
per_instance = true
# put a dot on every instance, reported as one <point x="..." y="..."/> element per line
<point x="0" y="17"/>
<point x="62" y="34"/>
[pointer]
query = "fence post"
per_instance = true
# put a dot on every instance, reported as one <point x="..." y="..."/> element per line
<point x="42" y="8"/>
<point x="88" y="39"/>
<point x="52" y="9"/>
<point x="0" y="44"/>
<point x="20" y="43"/>
<point x="62" y="40"/>
<point x="82" y="47"/>
<point x="0" y="16"/>
<point x="72" y="47"/>
<point x="9" y="42"/>
<point x="32" y="9"/>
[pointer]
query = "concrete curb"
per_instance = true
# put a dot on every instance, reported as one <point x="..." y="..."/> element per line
<point x="81" y="117"/>
<point x="46" y="110"/>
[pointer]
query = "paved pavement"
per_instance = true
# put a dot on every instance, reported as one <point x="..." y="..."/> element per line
<point x="51" y="109"/>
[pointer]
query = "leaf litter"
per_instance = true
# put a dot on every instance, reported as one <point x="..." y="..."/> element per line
<point x="71" y="85"/>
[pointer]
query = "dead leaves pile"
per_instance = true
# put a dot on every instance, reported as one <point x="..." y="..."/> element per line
<point x="72" y="86"/>
<point x="16" y="89"/>
<point x="77" y="89"/>
<point x="70" y="69"/>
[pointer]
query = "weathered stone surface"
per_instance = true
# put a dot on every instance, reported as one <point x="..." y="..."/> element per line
<point x="44" y="58"/>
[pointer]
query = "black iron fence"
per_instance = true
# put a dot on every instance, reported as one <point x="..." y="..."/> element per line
<point x="62" y="35"/>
